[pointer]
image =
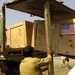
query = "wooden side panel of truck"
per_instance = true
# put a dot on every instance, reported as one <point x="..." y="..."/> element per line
<point x="66" y="41"/>
<point x="61" y="44"/>
<point x="39" y="36"/>
<point x="19" y="35"/>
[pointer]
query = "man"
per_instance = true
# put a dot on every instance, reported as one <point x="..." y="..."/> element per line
<point x="31" y="65"/>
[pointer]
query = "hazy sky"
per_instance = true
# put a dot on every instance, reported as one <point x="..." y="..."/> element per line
<point x="14" y="17"/>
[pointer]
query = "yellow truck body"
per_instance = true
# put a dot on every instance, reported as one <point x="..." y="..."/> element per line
<point x="19" y="35"/>
<point x="60" y="43"/>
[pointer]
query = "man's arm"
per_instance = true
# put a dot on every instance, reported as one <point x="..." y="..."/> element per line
<point x="44" y="68"/>
<point x="44" y="61"/>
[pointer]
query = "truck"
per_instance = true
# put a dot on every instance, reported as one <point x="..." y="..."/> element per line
<point x="46" y="31"/>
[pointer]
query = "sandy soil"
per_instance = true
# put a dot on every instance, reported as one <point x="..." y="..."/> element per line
<point x="58" y="70"/>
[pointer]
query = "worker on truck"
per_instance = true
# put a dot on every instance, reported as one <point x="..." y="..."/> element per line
<point x="31" y="65"/>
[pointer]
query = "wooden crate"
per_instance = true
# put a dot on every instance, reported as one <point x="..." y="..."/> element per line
<point x="66" y="43"/>
<point x="60" y="44"/>
<point x="39" y="36"/>
<point x="19" y="35"/>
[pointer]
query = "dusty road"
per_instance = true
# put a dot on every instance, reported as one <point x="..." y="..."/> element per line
<point x="58" y="70"/>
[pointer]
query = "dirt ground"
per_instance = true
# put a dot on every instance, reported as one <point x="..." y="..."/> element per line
<point x="58" y="70"/>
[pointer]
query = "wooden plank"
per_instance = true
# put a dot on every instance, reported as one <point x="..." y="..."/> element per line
<point x="48" y="34"/>
<point x="56" y="36"/>
<point x="33" y="35"/>
<point x="29" y="28"/>
<point x="57" y="9"/>
<point x="4" y="35"/>
<point x="40" y="36"/>
<point x="24" y="32"/>
<point x="8" y="39"/>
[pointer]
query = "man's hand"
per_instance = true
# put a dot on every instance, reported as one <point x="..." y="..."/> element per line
<point x="50" y="52"/>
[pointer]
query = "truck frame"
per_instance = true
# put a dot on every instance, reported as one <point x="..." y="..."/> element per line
<point x="47" y="9"/>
